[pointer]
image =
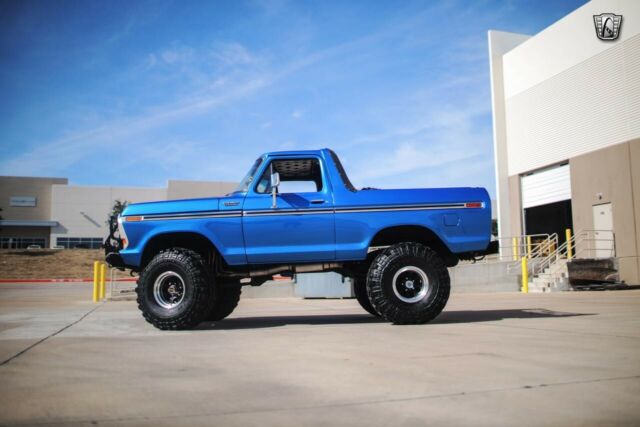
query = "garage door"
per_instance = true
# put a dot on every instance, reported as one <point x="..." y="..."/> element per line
<point x="547" y="186"/>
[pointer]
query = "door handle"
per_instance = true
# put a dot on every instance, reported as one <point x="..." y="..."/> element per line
<point x="318" y="201"/>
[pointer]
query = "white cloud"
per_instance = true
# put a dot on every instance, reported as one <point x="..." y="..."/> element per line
<point x="233" y="54"/>
<point x="408" y="146"/>
<point x="441" y="147"/>
<point x="59" y="154"/>
<point x="151" y="61"/>
<point x="177" y="53"/>
<point x="287" y="145"/>
<point x="224" y="53"/>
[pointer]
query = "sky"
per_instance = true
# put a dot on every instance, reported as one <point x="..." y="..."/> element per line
<point x="133" y="93"/>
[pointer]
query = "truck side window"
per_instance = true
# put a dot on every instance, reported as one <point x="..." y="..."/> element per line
<point x="296" y="176"/>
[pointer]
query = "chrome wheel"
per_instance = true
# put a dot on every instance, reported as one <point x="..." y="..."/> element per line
<point x="168" y="289"/>
<point x="410" y="284"/>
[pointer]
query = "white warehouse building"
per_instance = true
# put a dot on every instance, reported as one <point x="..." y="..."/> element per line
<point x="566" y="118"/>
<point x="47" y="212"/>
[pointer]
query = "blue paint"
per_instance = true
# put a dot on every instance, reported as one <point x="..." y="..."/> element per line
<point x="334" y="224"/>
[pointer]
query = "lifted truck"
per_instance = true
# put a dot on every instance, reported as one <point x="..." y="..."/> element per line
<point x="297" y="212"/>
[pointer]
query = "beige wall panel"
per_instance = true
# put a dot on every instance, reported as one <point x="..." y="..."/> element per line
<point x="40" y="188"/>
<point x="604" y="176"/>
<point x="634" y="153"/>
<point x="515" y="208"/>
<point x="178" y="189"/>
<point x="83" y="211"/>
<point x="628" y="270"/>
<point x="137" y="195"/>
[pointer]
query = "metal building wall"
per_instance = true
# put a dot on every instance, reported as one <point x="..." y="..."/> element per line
<point x="568" y="93"/>
<point x="546" y="186"/>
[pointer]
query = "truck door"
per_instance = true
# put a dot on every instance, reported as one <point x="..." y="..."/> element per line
<point x="300" y="228"/>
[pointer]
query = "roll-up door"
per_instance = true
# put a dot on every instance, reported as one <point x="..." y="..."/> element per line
<point x="547" y="186"/>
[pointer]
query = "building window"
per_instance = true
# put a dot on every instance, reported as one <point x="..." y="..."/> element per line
<point x="21" y="242"/>
<point x="79" y="242"/>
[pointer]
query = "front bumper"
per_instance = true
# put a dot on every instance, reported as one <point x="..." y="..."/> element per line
<point x="115" y="260"/>
<point x="112" y="245"/>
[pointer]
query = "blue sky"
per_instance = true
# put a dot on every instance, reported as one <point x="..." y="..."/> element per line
<point x="136" y="93"/>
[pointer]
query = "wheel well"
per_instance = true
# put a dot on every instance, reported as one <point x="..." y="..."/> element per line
<point x="414" y="233"/>
<point x="194" y="241"/>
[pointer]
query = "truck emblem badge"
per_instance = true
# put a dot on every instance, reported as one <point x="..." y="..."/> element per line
<point x="607" y="26"/>
<point x="231" y="203"/>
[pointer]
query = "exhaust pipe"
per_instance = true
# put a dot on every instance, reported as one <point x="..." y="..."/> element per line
<point x="304" y="268"/>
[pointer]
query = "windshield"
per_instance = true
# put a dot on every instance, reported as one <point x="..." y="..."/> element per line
<point x="248" y="178"/>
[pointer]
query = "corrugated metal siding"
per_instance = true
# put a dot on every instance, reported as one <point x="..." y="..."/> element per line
<point x="548" y="186"/>
<point x="590" y="106"/>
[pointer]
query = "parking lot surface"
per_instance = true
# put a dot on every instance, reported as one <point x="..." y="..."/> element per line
<point x="489" y="359"/>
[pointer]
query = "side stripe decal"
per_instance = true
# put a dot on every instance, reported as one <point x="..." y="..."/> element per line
<point x="199" y="215"/>
<point x="269" y="212"/>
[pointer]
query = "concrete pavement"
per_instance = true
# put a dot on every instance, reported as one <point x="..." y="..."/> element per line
<point x="489" y="359"/>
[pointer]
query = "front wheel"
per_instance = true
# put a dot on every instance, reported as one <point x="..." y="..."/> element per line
<point x="174" y="290"/>
<point x="408" y="283"/>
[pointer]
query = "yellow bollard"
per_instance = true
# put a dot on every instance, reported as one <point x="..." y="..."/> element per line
<point x="514" y="243"/>
<point x="96" y="280"/>
<point x="569" y="244"/>
<point x="103" y="272"/>
<point x="525" y="276"/>
<point x="529" y="246"/>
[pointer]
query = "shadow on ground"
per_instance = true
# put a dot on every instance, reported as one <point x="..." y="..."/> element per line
<point x="464" y="316"/>
<point x="470" y="316"/>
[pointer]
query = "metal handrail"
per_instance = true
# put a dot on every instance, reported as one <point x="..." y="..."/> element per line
<point x="542" y="250"/>
<point x="535" y="249"/>
<point x="548" y="244"/>
<point x="562" y="251"/>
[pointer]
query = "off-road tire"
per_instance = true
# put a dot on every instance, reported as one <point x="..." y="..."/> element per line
<point x="197" y="289"/>
<point x="227" y="298"/>
<point x="360" y="290"/>
<point x="380" y="283"/>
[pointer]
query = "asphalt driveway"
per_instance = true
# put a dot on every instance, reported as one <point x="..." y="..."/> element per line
<point x="489" y="359"/>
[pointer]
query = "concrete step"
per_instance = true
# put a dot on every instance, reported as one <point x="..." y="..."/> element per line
<point x="551" y="286"/>
<point x="552" y="279"/>
<point x="538" y="289"/>
<point x="556" y="269"/>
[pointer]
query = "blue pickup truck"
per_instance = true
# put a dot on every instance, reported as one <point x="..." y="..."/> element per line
<point x="295" y="212"/>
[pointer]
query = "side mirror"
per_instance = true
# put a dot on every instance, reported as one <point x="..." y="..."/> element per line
<point x="275" y="179"/>
<point x="275" y="182"/>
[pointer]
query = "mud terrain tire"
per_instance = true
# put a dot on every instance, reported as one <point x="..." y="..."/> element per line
<point x="408" y="283"/>
<point x="175" y="290"/>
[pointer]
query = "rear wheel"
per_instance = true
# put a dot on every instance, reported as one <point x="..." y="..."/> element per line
<point x="360" y="290"/>
<point x="174" y="290"/>
<point x="227" y="299"/>
<point x="408" y="283"/>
